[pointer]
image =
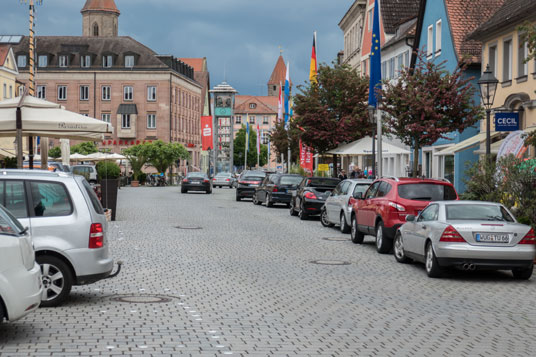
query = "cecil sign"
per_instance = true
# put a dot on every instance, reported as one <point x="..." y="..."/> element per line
<point x="506" y="121"/>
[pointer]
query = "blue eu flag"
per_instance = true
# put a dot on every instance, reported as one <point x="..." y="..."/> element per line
<point x="375" y="58"/>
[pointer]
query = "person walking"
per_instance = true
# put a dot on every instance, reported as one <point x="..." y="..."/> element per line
<point x="342" y="175"/>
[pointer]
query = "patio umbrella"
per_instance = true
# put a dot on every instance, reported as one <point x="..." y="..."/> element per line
<point x="97" y="156"/>
<point x="78" y="157"/>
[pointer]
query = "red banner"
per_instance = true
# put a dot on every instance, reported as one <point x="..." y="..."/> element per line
<point x="306" y="157"/>
<point x="206" y="133"/>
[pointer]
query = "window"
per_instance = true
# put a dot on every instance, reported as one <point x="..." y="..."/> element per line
<point x="15" y="198"/>
<point x="128" y="93"/>
<point x="365" y="67"/>
<point x="125" y="121"/>
<point x="369" y="25"/>
<point x="392" y="68"/>
<point x="106" y="92"/>
<point x="522" y="52"/>
<point x="107" y="61"/>
<point x="10" y="91"/>
<point x="361" y="188"/>
<point x="106" y="117"/>
<point x="95" y="29"/>
<point x="84" y="92"/>
<point x="42" y="92"/>
<point x="63" y="61"/>
<point x="42" y="61"/>
<point x="384" y="70"/>
<point x="371" y="193"/>
<point x="430" y="213"/>
<point x="478" y="211"/>
<point x="151" y="121"/>
<point x="93" y="197"/>
<point x="62" y="92"/>
<point x="492" y="59"/>
<point x="399" y="64"/>
<point x="129" y="61"/>
<point x="384" y="189"/>
<point x="238" y="119"/>
<point x="5" y="91"/>
<point x="21" y="91"/>
<point x="252" y="119"/>
<point x="406" y="58"/>
<point x="85" y="61"/>
<point x="438" y="37"/>
<point x="430" y="43"/>
<point x="252" y="106"/>
<point x="50" y="199"/>
<point x="426" y="192"/>
<point x="507" y="60"/>
<point x="21" y="61"/>
<point x="151" y="93"/>
<point x="266" y="120"/>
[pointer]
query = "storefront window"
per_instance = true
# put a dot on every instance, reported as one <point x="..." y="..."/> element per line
<point x="448" y="169"/>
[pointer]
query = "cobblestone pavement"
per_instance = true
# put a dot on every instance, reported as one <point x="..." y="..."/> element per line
<point x="244" y="284"/>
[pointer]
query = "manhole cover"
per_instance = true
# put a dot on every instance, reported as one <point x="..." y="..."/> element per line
<point x="330" y="262"/>
<point x="188" y="227"/>
<point x="336" y="239"/>
<point x="142" y="299"/>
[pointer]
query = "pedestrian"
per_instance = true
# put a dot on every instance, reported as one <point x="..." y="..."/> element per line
<point x="342" y="175"/>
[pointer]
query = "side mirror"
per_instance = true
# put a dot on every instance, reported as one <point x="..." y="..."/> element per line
<point x="410" y="218"/>
<point x="358" y="195"/>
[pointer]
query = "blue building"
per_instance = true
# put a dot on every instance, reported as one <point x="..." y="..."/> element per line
<point x="442" y="30"/>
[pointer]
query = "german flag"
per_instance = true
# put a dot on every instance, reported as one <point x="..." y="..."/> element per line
<point x="314" y="68"/>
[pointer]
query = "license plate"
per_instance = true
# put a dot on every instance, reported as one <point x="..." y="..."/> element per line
<point x="492" y="237"/>
<point x="253" y="185"/>
<point x="196" y="183"/>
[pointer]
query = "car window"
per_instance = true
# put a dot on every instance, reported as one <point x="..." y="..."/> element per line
<point x="478" y="212"/>
<point x="196" y="174"/>
<point x="371" y="193"/>
<point x="345" y="186"/>
<point x="291" y="180"/>
<point x="50" y="199"/>
<point x="430" y="213"/>
<point x="360" y="188"/>
<point x="337" y="190"/>
<point x="427" y="192"/>
<point x="15" y="198"/>
<point x="253" y="178"/>
<point x="384" y="189"/>
<point x="93" y="197"/>
<point x="315" y="182"/>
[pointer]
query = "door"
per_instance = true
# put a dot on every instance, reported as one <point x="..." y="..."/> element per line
<point x="365" y="213"/>
<point x="422" y="228"/>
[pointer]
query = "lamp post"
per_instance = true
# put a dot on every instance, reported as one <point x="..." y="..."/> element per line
<point x="371" y="109"/>
<point x="488" y="86"/>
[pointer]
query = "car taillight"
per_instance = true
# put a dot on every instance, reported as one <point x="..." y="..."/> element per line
<point x="310" y="196"/>
<point x="205" y="181"/>
<point x="275" y="189"/>
<point x="228" y="180"/>
<point x="185" y="180"/>
<point x="96" y="236"/>
<point x="529" y="238"/>
<point x="213" y="179"/>
<point x="450" y="234"/>
<point x="398" y="207"/>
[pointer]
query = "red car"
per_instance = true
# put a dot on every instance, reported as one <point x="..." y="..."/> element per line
<point x="384" y="206"/>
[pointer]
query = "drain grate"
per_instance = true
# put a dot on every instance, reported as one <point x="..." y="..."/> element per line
<point x="188" y="227"/>
<point x="336" y="239"/>
<point x="330" y="262"/>
<point x="142" y="299"/>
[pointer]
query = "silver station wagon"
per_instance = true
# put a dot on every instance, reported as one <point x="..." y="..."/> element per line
<point x="469" y="235"/>
<point x="67" y="224"/>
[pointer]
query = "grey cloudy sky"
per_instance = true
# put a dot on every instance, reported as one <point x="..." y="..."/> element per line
<point x="239" y="37"/>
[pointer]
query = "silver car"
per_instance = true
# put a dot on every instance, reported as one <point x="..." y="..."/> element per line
<point x="337" y="209"/>
<point x="68" y="226"/>
<point x="468" y="235"/>
<point x="223" y="179"/>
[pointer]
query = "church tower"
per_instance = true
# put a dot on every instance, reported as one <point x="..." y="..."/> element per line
<point x="99" y="18"/>
<point x="277" y="78"/>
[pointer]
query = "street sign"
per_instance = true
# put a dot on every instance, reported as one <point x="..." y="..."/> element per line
<point x="323" y="167"/>
<point x="506" y="121"/>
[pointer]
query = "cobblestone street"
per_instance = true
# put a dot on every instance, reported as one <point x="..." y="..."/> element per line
<point x="243" y="284"/>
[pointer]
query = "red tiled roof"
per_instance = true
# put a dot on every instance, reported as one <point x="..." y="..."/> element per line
<point x="464" y="17"/>
<point x="196" y="63"/>
<point x="395" y="12"/>
<point x="279" y="73"/>
<point x="265" y="104"/>
<point x="100" y="5"/>
<point x="4" y="50"/>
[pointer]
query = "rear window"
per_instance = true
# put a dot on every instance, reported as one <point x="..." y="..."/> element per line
<point x="50" y="199"/>
<point x="196" y="174"/>
<point x="253" y="178"/>
<point x="323" y="182"/>
<point x="93" y="197"/>
<point x="427" y="192"/>
<point x="291" y="180"/>
<point x="478" y="212"/>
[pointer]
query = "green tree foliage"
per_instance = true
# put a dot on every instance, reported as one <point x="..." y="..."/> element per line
<point x="108" y="170"/>
<point x="162" y="155"/>
<point x="239" y="145"/>
<point x="531" y="138"/>
<point x="55" y="152"/>
<point x="279" y="139"/>
<point x="426" y="104"/>
<point x="138" y="156"/>
<point x="528" y="31"/>
<point x="84" y="148"/>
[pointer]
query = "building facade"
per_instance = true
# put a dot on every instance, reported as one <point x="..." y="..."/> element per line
<point x="8" y="85"/>
<point x="352" y="27"/>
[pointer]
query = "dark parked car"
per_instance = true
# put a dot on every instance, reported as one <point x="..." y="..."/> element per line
<point x="196" y="181"/>
<point x="276" y="188"/>
<point x="311" y="195"/>
<point x="248" y="182"/>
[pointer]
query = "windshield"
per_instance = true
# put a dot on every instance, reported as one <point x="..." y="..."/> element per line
<point x="291" y="180"/>
<point x="8" y="223"/>
<point x="426" y="192"/>
<point x="315" y="182"/>
<point x="223" y="175"/>
<point x="196" y="174"/>
<point x="478" y="212"/>
<point x="252" y="178"/>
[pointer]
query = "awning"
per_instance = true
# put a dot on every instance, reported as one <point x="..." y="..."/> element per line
<point x="466" y="144"/>
<point x="494" y="147"/>
<point x="127" y="109"/>
<point x="364" y="147"/>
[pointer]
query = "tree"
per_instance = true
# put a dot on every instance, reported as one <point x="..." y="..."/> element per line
<point x="138" y="156"/>
<point x="334" y="110"/>
<point x="238" y="149"/>
<point x="279" y="139"/>
<point x="162" y="155"/>
<point x="84" y="148"/>
<point x="426" y="104"/>
<point x="528" y="31"/>
<point x="55" y="152"/>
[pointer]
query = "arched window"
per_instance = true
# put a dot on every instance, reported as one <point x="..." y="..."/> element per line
<point x="95" y="30"/>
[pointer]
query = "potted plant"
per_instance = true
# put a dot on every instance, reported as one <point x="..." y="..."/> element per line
<point x="108" y="173"/>
<point x="137" y="156"/>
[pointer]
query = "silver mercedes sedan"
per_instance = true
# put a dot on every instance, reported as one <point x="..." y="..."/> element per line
<point x="468" y="235"/>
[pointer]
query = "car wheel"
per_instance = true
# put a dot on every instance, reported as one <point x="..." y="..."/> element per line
<point x="238" y="198"/>
<point x="357" y="236"/>
<point x="345" y="228"/>
<point x="183" y="190"/>
<point x="57" y="280"/>
<point x="399" y="253"/>
<point x="432" y="266"/>
<point x="2" y="313"/>
<point x="383" y="244"/>
<point x="269" y="202"/>
<point x="520" y="274"/>
<point x="255" y="200"/>
<point x="208" y="192"/>
<point x="302" y="215"/>
<point x="291" y="209"/>
<point x="324" y="219"/>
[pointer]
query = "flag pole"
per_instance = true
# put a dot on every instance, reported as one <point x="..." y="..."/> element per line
<point x="379" y="131"/>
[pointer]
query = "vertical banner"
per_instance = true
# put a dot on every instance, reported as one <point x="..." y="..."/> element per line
<point x="306" y="157"/>
<point x="206" y="133"/>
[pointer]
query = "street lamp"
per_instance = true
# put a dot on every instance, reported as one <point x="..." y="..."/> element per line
<point x="488" y="86"/>
<point x="371" y="110"/>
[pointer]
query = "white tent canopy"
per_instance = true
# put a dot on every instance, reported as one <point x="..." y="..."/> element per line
<point x="364" y="147"/>
<point x="78" y="157"/>
<point x="47" y="119"/>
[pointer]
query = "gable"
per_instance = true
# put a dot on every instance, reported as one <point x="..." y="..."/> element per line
<point x="7" y="60"/>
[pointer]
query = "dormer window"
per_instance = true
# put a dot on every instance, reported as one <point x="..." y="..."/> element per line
<point x="63" y="61"/>
<point x="85" y="61"/>
<point x="107" y="61"/>
<point x="21" y="61"/>
<point x="129" y="61"/>
<point x="42" y="61"/>
<point x="252" y="106"/>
